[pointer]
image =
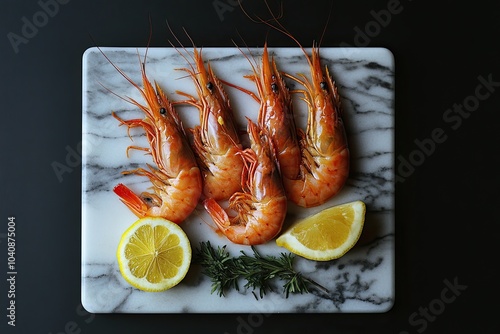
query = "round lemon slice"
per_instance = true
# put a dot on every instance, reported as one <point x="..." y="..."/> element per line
<point x="326" y="235"/>
<point x="154" y="254"/>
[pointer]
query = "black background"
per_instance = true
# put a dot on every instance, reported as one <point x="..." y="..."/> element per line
<point x="445" y="208"/>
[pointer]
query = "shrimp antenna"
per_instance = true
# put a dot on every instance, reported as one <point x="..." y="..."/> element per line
<point x="326" y="24"/>
<point x="189" y="37"/>
<point x="122" y="73"/>
<point x="149" y="38"/>
<point x="182" y="46"/>
<point x="253" y="65"/>
<point x="258" y="18"/>
<point x="277" y="26"/>
<point x="143" y="61"/>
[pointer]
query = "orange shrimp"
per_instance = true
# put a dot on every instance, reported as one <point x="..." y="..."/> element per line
<point x="216" y="139"/>
<point x="176" y="182"/>
<point x="276" y="113"/>
<point x="325" y="152"/>
<point x="324" y="167"/>
<point x="261" y="207"/>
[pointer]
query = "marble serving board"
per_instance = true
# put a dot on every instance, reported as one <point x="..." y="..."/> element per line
<point x="360" y="281"/>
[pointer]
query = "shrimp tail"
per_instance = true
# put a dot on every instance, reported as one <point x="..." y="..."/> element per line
<point x="131" y="200"/>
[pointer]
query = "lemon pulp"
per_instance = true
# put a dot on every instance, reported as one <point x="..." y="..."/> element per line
<point x="154" y="254"/>
<point x="326" y="235"/>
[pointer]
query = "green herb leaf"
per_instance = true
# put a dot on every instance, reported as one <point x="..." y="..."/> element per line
<point x="258" y="271"/>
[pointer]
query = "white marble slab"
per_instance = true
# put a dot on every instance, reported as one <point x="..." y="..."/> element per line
<point x="360" y="281"/>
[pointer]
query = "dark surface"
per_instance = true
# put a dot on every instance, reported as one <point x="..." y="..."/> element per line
<point x="445" y="207"/>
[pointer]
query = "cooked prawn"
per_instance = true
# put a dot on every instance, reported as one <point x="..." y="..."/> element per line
<point x="216" y="139"/>
<point x="176" y="180"/>
<point x="261" y="207"/>
<point x="276" y="113"/>
<point x="325" y="152"/>
<point x="324" y="167"/>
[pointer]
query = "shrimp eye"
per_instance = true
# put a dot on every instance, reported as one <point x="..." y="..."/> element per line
<point x="274" y="87"/>
<point x="163" y="111"/>
<point x="323" y="85"/>
<point x="210" y="86"/>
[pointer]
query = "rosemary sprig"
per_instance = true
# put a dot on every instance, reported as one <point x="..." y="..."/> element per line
<point x="258" y="271"/>
<point x="219" y="266"/>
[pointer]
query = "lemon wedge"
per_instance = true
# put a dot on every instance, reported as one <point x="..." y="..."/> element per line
<point x="326" y="235"/>
<point x="154" y="254"/>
